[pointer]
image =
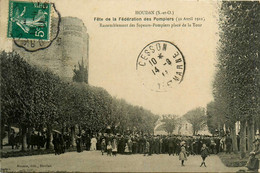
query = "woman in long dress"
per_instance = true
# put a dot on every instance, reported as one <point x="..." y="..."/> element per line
<point x="78" y="142"/>
<point x="93" y="141"/>
<point x="114" y="147"/>
<point x="130" y="145"/>
<point x="126" y="149"/>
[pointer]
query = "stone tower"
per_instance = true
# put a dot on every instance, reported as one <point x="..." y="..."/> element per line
<point x="70" y="47"/>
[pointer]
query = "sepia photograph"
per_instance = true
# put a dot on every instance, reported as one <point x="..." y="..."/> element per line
<point x="129" y="86"/>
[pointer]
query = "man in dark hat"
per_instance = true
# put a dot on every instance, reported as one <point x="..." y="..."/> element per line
<point x="200" y="143"/>
<point x="151" y="142"/>
<point x="165" y="144"/>
<point x="170" y="145"/>
<point x="160" y="144"/>
<point x="175" y="145"/>
<point x="88" y="142"/>
<point x="156" y="144"/>
<point x="228" y="144"/>
<point x="217" y="141"/>
<point x="134" y="145"/>
<point x="12" y="139"/>
<point x="137" y="138"/>
<point x="121" y="144"/>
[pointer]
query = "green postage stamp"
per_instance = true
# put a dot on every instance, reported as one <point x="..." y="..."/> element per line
<point x="29" y="20"/>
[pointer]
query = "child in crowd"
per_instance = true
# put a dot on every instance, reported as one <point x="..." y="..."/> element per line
<point x="114" y="147"/>
<point x="183" y="154"/>
<point x="103" y="146"/>
<point x="204" y="153"/>
<point x="126" y="148"/>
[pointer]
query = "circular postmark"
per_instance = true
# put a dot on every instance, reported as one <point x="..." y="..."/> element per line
<point x="160" y="65"/>
<point x="36" y="39"/>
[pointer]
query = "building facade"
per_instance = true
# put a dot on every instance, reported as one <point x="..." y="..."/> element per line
<point x="182" y="128"/>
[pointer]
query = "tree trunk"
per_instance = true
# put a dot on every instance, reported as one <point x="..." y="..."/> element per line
<point x="73" y="142"/>
<point x="242" y="138"/>
<point x="218" y="129"/>
<point x="9" y="132"/>
<point x="62" y="129"/>
<point x="49" y="144"/>
<point x="194" y="131"/>
<point x="2" y="134"/>
<point x="251" y="134"/>
<point x="79" y="130"/>
<point x="234" y="138"/>
<point x="24" y="140"/>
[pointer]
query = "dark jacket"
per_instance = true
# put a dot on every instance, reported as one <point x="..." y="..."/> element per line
<point x="204" y="152"/>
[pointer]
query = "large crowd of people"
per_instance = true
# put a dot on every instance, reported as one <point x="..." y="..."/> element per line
<point x="146" y="144"/>
<point x="113" y="144"/>
<point x="128" y="144"/>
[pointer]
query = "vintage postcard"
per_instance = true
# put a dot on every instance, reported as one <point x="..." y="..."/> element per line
<point x="129" y="86"/>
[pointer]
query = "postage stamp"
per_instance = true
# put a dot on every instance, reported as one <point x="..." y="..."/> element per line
<point x="33" y="45"/>
<point x="160" y="65"/>
<point x="29" y="20"/>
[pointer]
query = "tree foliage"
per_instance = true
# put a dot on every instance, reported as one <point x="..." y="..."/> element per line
<point x="237" y="80"/>
<point x="236" y="87"/>
<point x="215" y="117"/>
<point x="170" y="122"/>
<point x="31" y="97"/>
<point x="196" y="118"/>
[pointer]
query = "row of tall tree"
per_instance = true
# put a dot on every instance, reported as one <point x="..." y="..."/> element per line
<point x="236" y="87"/>
<point x="35" y="98"/>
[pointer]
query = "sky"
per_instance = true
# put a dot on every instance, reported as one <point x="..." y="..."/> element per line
<point x="113" y="52"/>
